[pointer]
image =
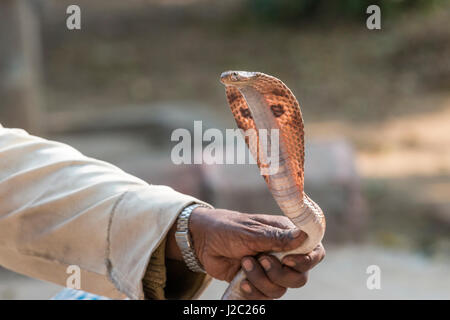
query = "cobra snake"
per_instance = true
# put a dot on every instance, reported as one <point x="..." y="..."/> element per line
<point x="259" y="101"/>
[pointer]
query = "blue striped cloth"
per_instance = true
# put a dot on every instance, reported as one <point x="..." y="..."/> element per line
<point x="72" y="294"/>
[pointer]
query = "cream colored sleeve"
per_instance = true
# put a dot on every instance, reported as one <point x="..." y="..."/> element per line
<point x="59" y="208"/>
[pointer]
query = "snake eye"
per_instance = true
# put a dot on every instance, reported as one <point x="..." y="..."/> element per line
<point x="234" y="76"/>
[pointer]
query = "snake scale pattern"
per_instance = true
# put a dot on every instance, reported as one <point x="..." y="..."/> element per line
<point x="259" y="101"/>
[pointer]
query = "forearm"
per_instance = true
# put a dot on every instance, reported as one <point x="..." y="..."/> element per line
<point x="60" y="208"/>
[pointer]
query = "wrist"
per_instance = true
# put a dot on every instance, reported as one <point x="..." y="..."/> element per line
<point x="197" y="229"/>
<point x="196" y="222"/>
<point x="173" y="252"/>
<point x="184" y="240"/>
<point x="172" y="249"/>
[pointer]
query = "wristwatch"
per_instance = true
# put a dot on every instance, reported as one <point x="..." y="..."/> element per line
<point x="184" y="240"/>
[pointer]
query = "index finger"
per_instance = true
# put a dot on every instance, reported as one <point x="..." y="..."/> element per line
<point x="281" y="222"/>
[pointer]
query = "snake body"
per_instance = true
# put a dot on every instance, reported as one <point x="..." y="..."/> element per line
<point x="259" y="101"/>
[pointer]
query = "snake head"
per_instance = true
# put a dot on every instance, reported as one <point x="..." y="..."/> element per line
<point x="238" y="78"/>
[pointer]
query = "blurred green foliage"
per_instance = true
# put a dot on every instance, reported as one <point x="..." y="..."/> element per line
<point x="293" y="11"/>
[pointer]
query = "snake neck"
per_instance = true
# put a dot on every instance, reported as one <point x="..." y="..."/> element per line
<point x="281" y="183"/>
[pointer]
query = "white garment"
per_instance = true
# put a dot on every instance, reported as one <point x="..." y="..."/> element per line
<point x="60" y="208"/>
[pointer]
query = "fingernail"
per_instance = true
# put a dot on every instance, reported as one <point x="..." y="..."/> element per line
<point x="247" y="264"/>
<point x="289" y="262"/>
<point x="265" y="264"/>
<point x="246" y="287"/>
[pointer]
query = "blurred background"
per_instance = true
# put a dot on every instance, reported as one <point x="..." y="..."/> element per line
<point x="376" y="105"/>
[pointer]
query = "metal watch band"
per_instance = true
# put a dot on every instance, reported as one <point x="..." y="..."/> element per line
<point x="184" y="241"/>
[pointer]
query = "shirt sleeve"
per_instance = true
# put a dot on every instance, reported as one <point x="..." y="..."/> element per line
<point x="170" y="279"/>
<point x="60" y="209"/>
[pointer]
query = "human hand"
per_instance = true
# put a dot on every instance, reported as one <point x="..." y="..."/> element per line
<point x="225" y="240"/>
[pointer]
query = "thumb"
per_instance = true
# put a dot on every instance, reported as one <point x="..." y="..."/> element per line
<point x="278" y="240"/>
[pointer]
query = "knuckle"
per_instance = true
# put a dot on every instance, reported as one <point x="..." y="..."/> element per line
<point x="306" y="263"/>
<point x="308" y="260"/>
<point x="279" y="236"/>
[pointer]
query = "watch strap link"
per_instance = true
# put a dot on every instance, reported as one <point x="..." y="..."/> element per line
<point x="184" y="240"/>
